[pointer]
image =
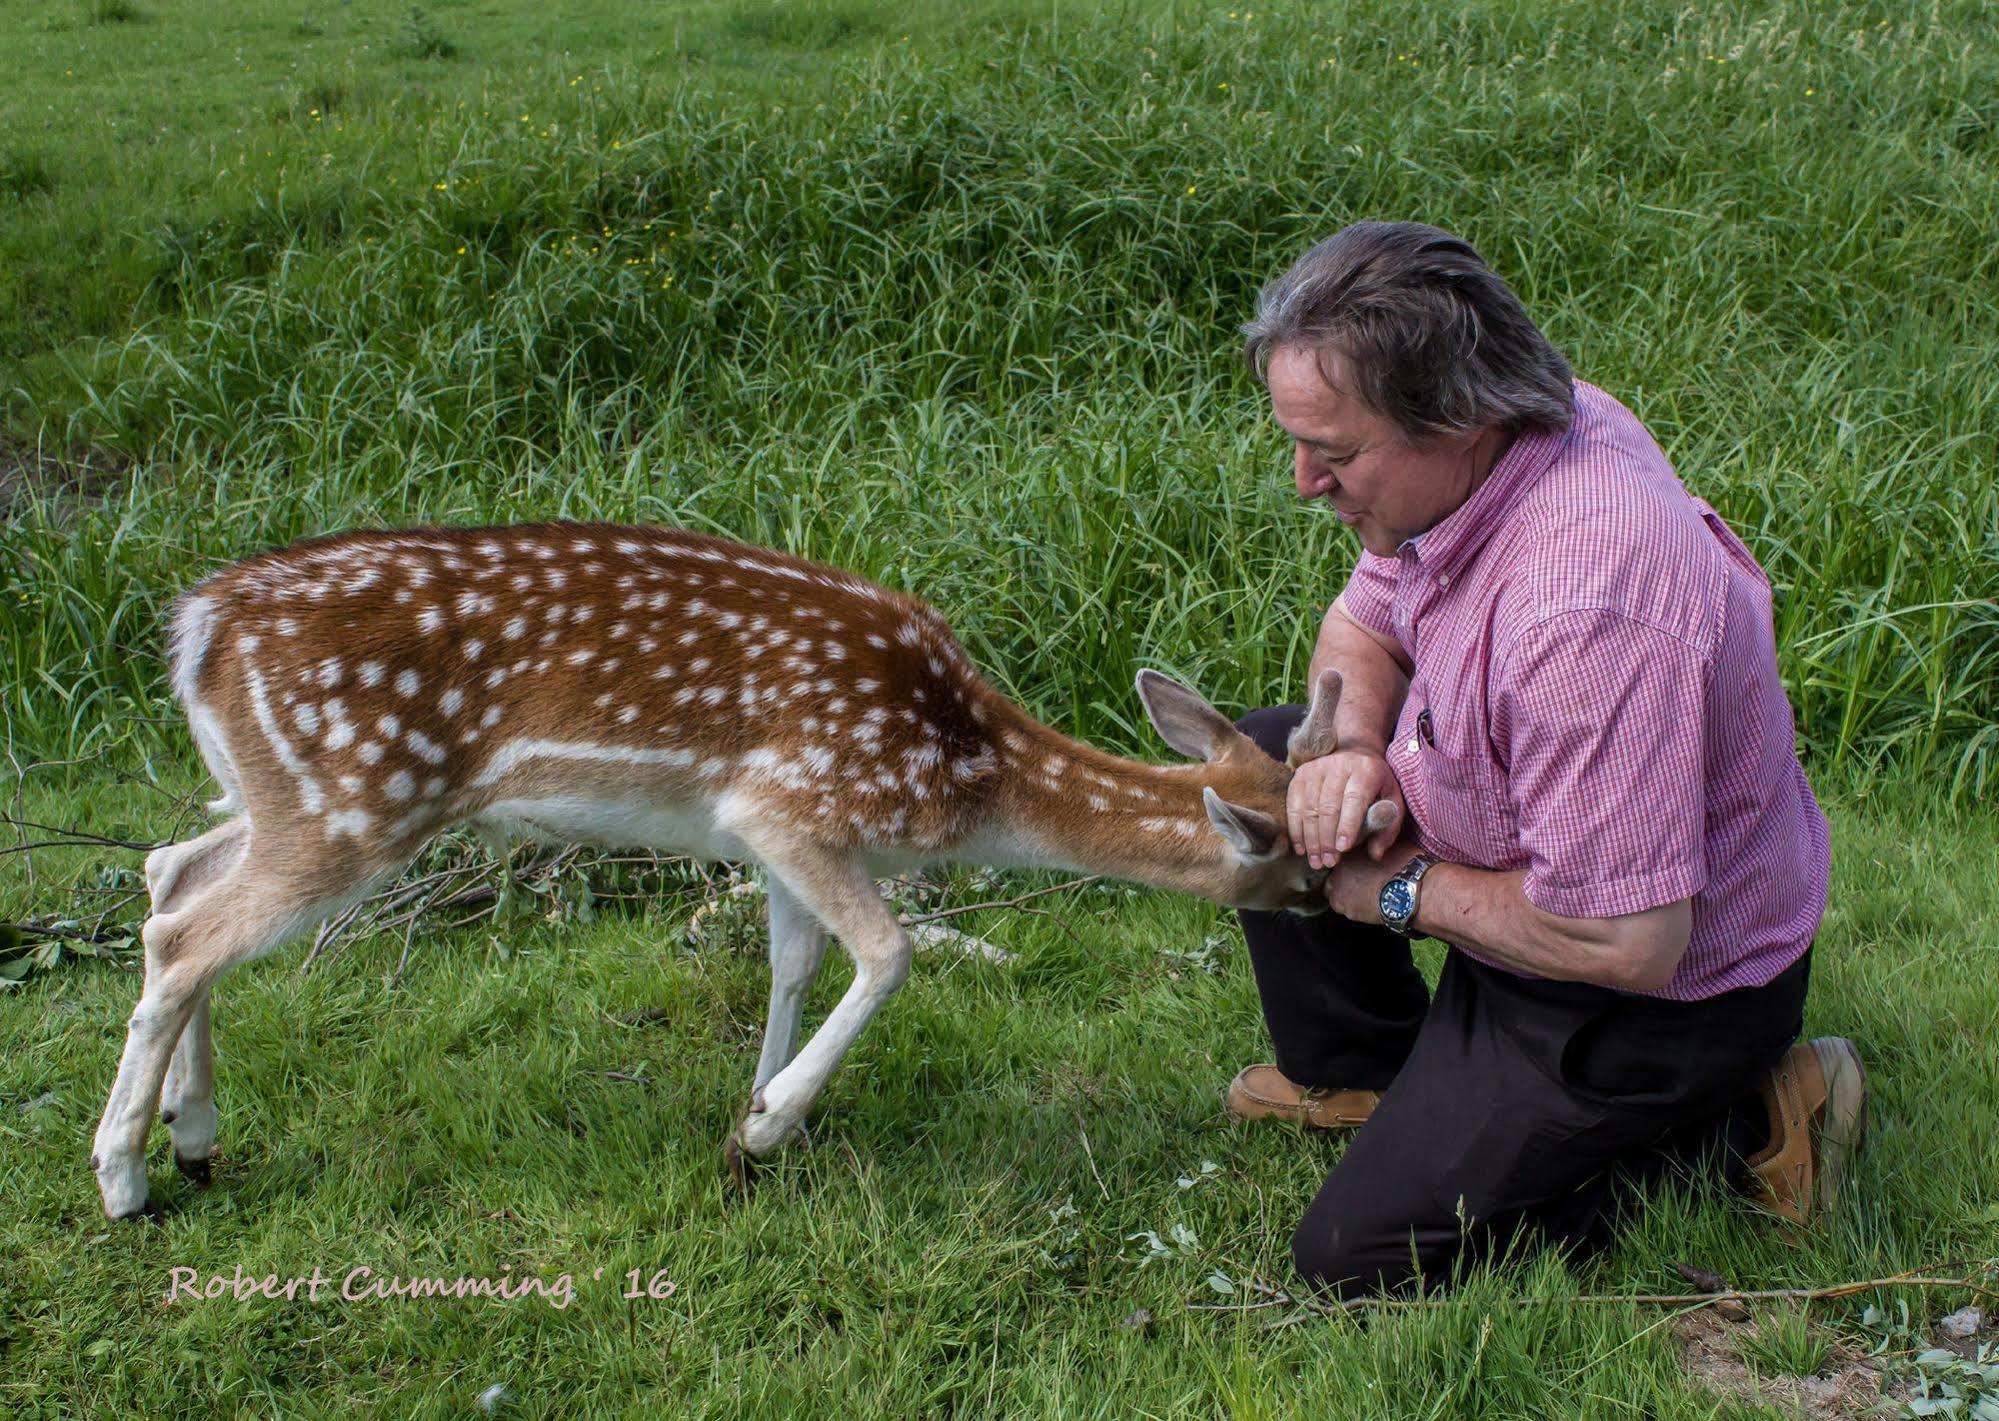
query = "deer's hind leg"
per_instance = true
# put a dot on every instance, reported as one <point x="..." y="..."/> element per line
<point x="224" y="909"/>
<point x="174" y="874"/>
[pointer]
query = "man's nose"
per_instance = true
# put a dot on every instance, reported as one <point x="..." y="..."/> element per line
<point x="1312" y="478"/>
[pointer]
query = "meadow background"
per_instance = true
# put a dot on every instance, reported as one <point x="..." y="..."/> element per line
<point x="946" y="294"/>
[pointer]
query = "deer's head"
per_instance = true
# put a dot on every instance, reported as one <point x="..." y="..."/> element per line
<point x="1244" y="790"/>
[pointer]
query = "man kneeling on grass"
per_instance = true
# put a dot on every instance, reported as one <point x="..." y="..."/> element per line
<point x="1561" y="667"/>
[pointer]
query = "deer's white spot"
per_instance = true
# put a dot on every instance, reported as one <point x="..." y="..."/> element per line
<point x="450" y="701"/>
<point x="429" y="620"/>
<point x="371" y="673"/>
<point x="400" y="785"/>
<point x="428" y="750"/>
<point x="407" y="682"/>
<point x="370" y="753"/>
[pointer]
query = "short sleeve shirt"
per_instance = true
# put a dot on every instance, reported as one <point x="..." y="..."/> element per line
<point x="1595" y="699"/>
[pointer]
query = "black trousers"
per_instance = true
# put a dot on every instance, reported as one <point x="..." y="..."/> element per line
<point x="1515" y="1111"/>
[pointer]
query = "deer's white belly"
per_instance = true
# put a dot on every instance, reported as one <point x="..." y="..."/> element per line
<point x="618" y="823"/>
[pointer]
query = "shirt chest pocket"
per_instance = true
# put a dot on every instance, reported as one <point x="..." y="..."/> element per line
<point x="1462" y="811"/>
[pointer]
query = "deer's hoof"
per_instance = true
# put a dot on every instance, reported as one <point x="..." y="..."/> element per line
<point x="742" y="1166"/>
<point x="194" y="1170"/>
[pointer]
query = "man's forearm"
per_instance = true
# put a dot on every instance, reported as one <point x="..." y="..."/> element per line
<point x="1489" y="912"/>
<point x="1373" y="682"/>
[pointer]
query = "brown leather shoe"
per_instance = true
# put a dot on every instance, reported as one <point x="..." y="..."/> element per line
<point x="1817" y="1098"/>
<point x="1263" y="1093"/>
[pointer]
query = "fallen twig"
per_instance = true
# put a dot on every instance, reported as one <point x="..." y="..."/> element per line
<point x="1332" y="1307"/>
<point x="909" y="921"/>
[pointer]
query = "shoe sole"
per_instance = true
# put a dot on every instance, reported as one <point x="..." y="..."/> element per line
<point x="1844" y="1127"/>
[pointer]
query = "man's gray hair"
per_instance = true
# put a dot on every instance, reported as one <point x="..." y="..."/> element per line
<point x="1419" y="329"/>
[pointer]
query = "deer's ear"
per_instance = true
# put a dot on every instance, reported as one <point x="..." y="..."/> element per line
<point x="1250" y="832"/>
<point x="1183" y="720"/>
<point x="1314" y="735"/>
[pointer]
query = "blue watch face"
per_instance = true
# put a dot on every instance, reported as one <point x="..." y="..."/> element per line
<point x="1398" y="901"/>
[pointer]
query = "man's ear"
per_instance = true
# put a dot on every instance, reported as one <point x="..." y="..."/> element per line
<point x="1314" y="735"/>
<point x="1183" y="720"/>
<point x="1249" y="831"/>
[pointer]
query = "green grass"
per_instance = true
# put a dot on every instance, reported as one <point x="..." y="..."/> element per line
<point x="955" y="310"/>
<point x="920" y="1257"/>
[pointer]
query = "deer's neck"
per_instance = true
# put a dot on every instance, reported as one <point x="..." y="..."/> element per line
<point x="1066" y="804"/>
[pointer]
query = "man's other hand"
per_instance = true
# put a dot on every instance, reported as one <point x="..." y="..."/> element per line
<point x="1328" y="803"/>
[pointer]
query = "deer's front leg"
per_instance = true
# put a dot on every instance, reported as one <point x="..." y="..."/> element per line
<point x="836" y="887"/>
<point x="797" y="950"/>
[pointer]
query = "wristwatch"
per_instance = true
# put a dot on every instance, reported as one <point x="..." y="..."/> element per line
<point x="1398" y="895"/>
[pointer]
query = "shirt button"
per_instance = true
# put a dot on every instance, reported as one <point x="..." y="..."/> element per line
<point x="1412" y="744"/>
<point x="1444" y="579"/>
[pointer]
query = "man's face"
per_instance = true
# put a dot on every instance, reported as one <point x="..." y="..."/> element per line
<point x="1385" y="489"/>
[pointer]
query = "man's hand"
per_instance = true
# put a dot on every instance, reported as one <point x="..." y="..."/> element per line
<point x="1328" y="802"/>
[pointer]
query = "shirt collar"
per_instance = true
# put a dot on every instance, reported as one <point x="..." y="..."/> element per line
<point x="1448" y="544"/>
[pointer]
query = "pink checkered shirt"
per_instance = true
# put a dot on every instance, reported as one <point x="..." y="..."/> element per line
<point x="1595" y="698"/>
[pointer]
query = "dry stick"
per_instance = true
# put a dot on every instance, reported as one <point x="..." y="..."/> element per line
<point x="74" y="836"/>
<point x="401" y="905"/>
<point x="1277" y="1297"/>
<point x="910" y="922"/>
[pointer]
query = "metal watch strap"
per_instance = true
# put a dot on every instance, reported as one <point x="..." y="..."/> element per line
<point x="1411" y="874"/>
